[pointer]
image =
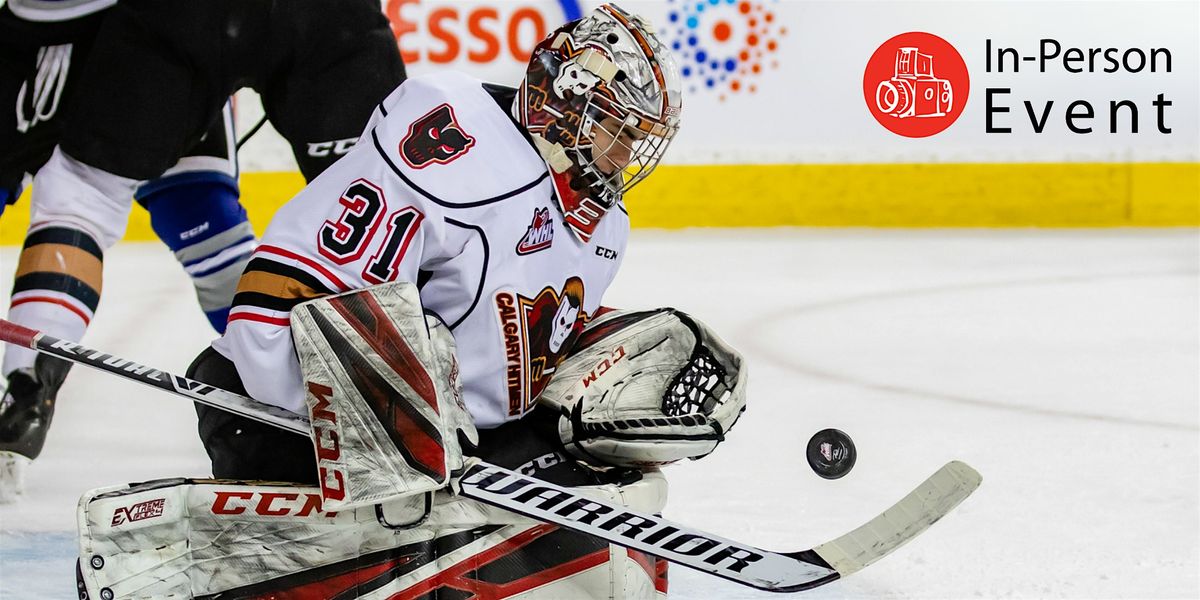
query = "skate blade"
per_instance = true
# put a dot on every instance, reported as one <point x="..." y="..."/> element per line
<point x="12" y="476"/>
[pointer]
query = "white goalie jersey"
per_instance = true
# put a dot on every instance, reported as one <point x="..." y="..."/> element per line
<point x="444" y="189"/>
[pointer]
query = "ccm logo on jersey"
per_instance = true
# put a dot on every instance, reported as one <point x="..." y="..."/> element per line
<point x="435" y="138"/>
<point x="268" y="504"/>
<point x="603" y="252"/>
<point x="325" y="437"/>
<point x="139" y="512"/>
<point x="336" y="147"/>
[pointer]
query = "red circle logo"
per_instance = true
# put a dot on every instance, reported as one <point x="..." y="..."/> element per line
<point x="916" y="84"/>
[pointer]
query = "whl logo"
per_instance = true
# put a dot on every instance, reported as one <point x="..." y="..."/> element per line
<point x="540" y="233"/>
<point x="916" y="84"/>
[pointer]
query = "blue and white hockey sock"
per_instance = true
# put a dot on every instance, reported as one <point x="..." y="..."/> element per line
<point x="198" y="216"/>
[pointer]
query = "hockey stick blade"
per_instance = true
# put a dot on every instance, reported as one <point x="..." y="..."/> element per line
<point x="574" y="510"/>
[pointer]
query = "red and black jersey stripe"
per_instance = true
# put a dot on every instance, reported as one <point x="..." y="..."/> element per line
<point x="276" y="286"/>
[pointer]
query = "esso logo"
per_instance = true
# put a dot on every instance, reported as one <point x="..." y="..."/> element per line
<point x="439" y="32"/>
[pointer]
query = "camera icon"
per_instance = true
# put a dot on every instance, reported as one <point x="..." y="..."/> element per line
<point x="914" y="91"/>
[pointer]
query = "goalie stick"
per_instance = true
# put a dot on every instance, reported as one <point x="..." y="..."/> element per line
<point x="571" y="509"/>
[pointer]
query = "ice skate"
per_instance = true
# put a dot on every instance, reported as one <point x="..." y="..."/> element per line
<point x="12" y="476"/>
<point x="25" y="413"/>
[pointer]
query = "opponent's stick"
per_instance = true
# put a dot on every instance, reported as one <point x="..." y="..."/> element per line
<point x="675" y="542"/>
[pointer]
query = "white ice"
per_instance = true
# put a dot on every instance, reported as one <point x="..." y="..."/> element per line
<point x="1063" y="365"/>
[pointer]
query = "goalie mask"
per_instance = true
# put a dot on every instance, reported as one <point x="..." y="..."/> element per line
<point x="646" y="388"/>
<point x="601" y="100"/>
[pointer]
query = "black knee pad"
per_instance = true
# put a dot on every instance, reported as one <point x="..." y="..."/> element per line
<point x="241" y="448"/>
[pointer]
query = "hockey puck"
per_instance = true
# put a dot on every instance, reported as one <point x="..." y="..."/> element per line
<point x="831" y="453"/>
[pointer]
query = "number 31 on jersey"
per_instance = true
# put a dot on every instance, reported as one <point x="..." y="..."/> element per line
<point x="346" y="240"/>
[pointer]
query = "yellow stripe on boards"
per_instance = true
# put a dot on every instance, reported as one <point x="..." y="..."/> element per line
<point x="920" y="195"/>
<point x="863" y="195"/>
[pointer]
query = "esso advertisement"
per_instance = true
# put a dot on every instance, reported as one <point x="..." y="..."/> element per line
<point x="490" y="40"/>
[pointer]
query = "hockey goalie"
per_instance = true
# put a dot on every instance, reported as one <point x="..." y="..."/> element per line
<point x="433" y="298"/>
<point x="390" y="431"/>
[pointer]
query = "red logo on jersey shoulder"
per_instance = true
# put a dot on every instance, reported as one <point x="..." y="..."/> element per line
<point x="435" y="138"/>
<point x="540" y="234"/>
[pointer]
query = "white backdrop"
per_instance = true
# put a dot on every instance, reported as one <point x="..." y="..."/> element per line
<point x="808" y="105"/>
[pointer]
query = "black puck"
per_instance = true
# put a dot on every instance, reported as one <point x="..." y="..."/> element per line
<point x="831" y="453"/>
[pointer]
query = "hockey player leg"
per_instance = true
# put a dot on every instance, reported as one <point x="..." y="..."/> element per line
<point x="194" y="210"/>
<point x="25" y="414"/>
<point x="382" y="389"/>
<point x="241" y="448"/>
<point x="382" y="400"/>
<point x="204" y="225"/>
<point x="186" y="538"/>
<point x="56" y="290"/>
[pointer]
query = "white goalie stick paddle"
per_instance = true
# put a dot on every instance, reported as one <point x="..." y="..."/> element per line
<point x="569" y="508"/>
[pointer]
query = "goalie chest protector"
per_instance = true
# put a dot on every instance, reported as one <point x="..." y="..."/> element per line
<point x="444" y="189"/>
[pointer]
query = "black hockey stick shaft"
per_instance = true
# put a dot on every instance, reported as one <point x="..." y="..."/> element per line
<point x="200" y="392"/>
<point x="569" y="508"/>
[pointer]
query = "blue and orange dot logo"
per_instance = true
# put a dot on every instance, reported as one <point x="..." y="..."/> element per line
<point x="724" y="45"/>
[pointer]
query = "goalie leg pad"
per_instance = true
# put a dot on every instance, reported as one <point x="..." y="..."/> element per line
<point x="181" y="538"/>
<point x="646" y="388"/>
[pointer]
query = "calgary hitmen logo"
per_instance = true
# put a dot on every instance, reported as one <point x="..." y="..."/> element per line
<point x="538" y="333"/>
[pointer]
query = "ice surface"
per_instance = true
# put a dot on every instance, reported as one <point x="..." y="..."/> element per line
<point x="1063" y="365"/>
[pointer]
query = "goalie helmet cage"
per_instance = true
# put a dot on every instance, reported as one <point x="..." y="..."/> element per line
<point x="652" y="534"/>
